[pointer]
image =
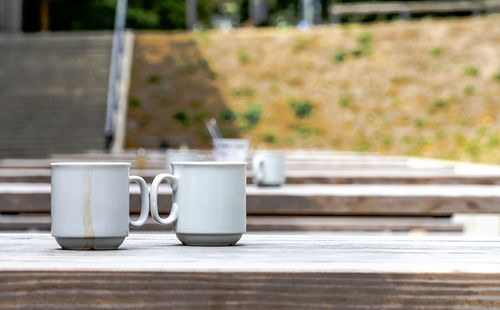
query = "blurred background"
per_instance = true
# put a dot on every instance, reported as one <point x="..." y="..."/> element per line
<point x="418" y="78"/>
<point x="376" y="105"/>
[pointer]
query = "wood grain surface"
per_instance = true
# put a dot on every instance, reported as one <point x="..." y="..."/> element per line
<point x="30" y="222"/>
<point x="264" y="271"/>
<point x="335" y="176"/>
<point x="307" y="199"/>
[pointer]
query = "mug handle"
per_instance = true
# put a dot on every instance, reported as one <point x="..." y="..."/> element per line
<point x="144" y="201"/>
<point x="259" y="169"/>
<point x="174" y="181"/>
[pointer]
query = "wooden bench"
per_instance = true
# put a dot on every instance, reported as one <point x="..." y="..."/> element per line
<point x="430" y="200"/>
<point x="37" y="222"/>
<point x="359" y="176"/>
<point x="407" y="8"/>
<point x="297" y="207"/>
<point x="264" y="271"/>
<point x="346" y="200"/>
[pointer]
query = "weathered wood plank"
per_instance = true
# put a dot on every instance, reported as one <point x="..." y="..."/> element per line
<point x="256" y="290"/>
<point x="359" y="176"/>
<point x="270" y="271"/>
<point x="264" y="252"/>
<point x="308" y="199"/>
<point x="275" y="223"/>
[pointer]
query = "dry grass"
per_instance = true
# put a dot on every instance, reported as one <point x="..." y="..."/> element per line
<point x="402" y="88"/>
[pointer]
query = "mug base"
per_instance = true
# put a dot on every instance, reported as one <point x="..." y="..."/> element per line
<point x="260" y="184"/>
<point x="100" y="243"/>
<point x="209" y="239"/>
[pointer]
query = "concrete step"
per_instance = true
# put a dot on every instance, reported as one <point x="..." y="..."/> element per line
<point x="54" y="89"/>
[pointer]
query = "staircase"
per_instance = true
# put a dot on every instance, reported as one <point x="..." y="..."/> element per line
<point x="53" y="93"/>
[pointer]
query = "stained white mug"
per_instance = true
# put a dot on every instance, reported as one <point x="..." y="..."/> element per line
<point x="90" y="204"/>
<point x="268" y="168"/>
<point x="209" y="202"/>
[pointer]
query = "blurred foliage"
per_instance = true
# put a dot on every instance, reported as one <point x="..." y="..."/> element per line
<point x="154" y="78"/>
<point x="345" y="101"/>
<point x="469" y="90"/>
<point x="167" y="14"/>
<point x="226" y="115"/>
<point x="243" y="57"/>
<point x="471" y="71"/>
<point x="301" y="107"/>
<point x="182" y="117"/>
<point x="251" y="117"/>
<point x="436" y="52"/>
<point x="339" y="56"/>
<point x="244" y="91"/>
<point x="134" y="102"/>
<point x="270" y="138"/>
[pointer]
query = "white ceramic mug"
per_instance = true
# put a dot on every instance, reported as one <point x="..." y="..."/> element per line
<point x="90" y="204"/>
<point x="209" y="202"/>
<point x="269" y="168"/>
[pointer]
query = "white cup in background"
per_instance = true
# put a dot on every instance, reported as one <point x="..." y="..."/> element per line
<point x="209" y="202"/>
<point x="268" y="168"/>
<point x="90" y="204"/>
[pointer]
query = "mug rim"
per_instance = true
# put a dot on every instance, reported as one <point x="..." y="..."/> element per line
<point x="209" y="163"/>
<point x="90" y="163"/>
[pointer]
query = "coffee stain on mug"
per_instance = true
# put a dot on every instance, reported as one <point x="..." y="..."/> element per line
<point x="88" y="228"/>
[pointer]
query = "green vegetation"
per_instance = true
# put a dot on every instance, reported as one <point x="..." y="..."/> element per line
<point x="244" y="91"/>
<point x="226" y="115"/>
<point x="469" y="90"/>
<point x="339" y="56"/>
<point x="302" y="44"/>
<point x="154" y="79"/>
<point x="400" y="79"/>
<point x="365" y="40"/>
<point x="345" y="101"/>
<point x="182" y="117"/>
<point x="436" y="52"/>
<point x="134" y="102"/>
<point x="438" y="105"/>
<point x="419" y="122"/>
<point x="301" y="107"/>
<point x="471" y="71"/>
<point x="496" y="77"/>
<point x="243" y="57"/>
<point x="270" y="138"/>
<point x="306" y="132"/>
<point x="251" y="117"/>
<point x="362" y="145"/>
<point x="493" y="141"/>
<point x="385" y="138"/>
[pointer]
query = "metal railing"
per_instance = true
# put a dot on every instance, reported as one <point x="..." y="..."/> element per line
<point x="115" y="71"/>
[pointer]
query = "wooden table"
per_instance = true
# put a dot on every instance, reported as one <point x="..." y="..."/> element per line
<point x="270" y="271"/>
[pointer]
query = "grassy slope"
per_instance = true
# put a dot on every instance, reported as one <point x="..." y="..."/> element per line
<point x="421" y="88"/>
